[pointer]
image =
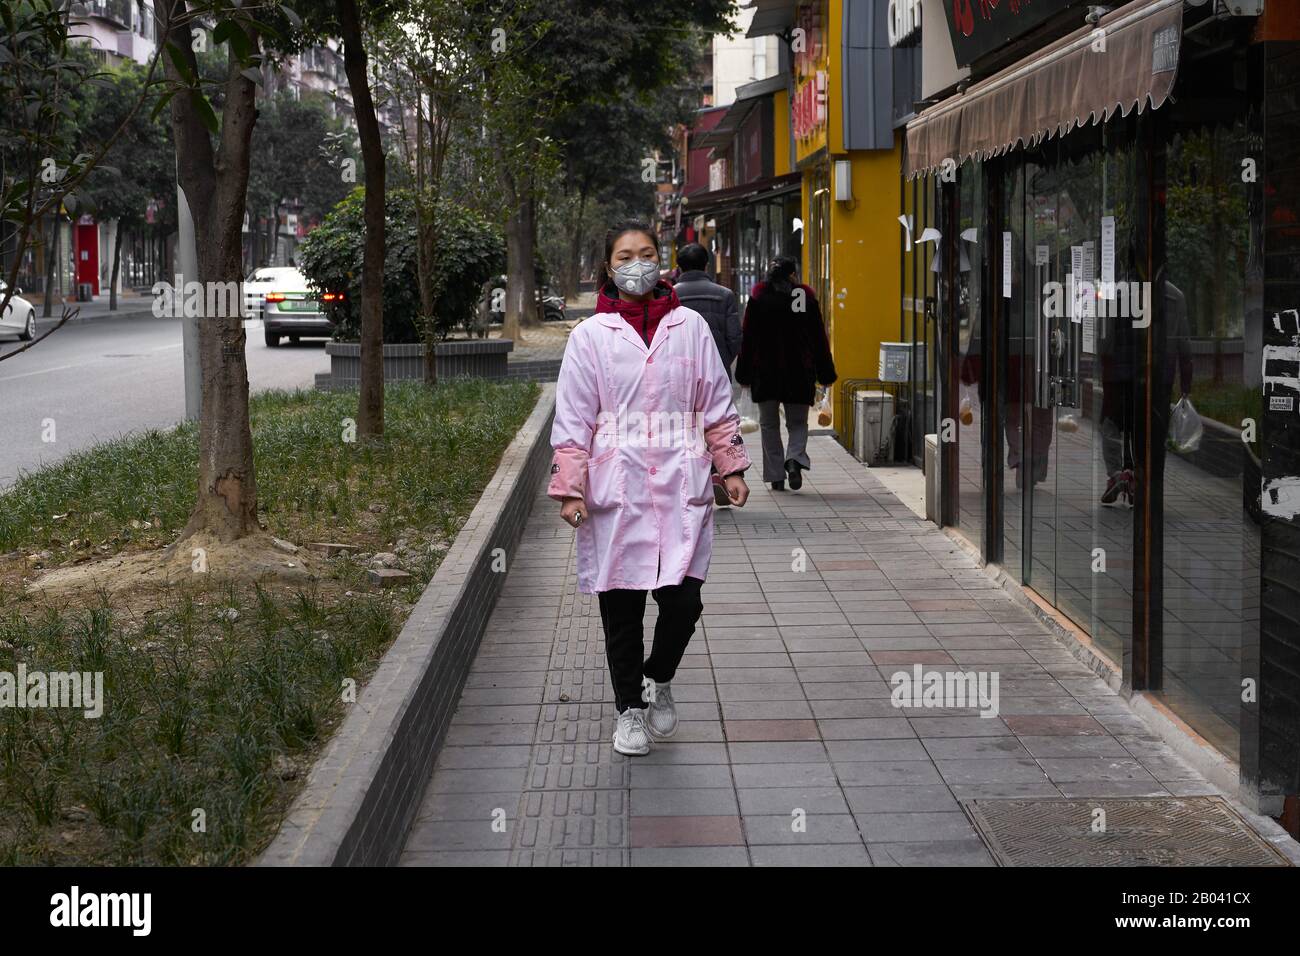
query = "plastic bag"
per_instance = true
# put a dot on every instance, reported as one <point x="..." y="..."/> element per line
<point x="1185" y="428"/>
<point x="823" y="405"/>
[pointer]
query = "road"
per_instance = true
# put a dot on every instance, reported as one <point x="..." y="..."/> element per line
<point x="104" y="378"/>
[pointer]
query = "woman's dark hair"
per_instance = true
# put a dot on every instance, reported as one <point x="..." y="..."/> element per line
<point x="611" y="237"/>
<point x="779" y="273"/>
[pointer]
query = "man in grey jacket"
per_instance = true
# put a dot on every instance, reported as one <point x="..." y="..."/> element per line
<point x="715" y="302"/>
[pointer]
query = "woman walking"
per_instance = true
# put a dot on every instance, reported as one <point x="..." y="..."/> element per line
<point x="643" y="414"/>
<point x="783" y="355"/>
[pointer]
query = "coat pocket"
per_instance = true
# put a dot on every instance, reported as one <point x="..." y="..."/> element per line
<point x="682" y="373"/>
<point x="605" y="485"/>
<point x="698" y="480"/>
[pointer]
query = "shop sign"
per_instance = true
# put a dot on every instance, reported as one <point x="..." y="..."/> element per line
<point x="808" y="104"/>
<point x="808" y="109"/>
<point x="904" y="20"/>
<point x="981" y="27"/>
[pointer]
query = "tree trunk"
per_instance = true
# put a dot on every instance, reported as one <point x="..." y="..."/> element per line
<point x="51" y="256"/>
<point x="572" y="266"/>
<point x="216" y="191"/>
<point x="520" y="294"/>
<point x="370" y="398"/>
<point x="117" y="266"/>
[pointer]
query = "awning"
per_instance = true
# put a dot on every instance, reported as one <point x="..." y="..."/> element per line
<point x="1129" y="59"/>
<point x="770" y="17"/>
<point x="703" y="204"/>
<point x="747" y="98"/>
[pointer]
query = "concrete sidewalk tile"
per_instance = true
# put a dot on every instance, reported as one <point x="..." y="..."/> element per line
<point x="957" y="726"/>
<point x="799" y="830"/>
<point x="915" y="827"/>
<point x="768" y="801"/>
<point x="479" y="781"/>
<point x="799" y="751"/>
<point x="691" y="856"/>
<point x="1084" y="789"/>
<point x="479" y="758"/>
<point x="680" y="831"/>
<point x="1076" y="769"/>
<point x="683" y="801"/>
<point x="766" y="710"/>
<point x="974" y="748"/>
<point x="1080" y="746"/>
<point x="1039" y="725"/>
<point x="845" y="690"/>
<point x="854" y="707"/>
<point x="814" y="773"/>
<point x="668" y="776"/>
<point x="865" y="728"/>
<point x="1006" y="790"/>
<point x="888" y="773"/>
<point x="468" y="806"/>
<point x="963" y="770"/>
<point x="455" y="858"/>
<point x="833" y="854"/>
<point x="943" y="853"/>
<point x="769" y="730"/>
<point x="869" y="750"/>
<point x="429" y="834"/>
<point x="926" y="798"/>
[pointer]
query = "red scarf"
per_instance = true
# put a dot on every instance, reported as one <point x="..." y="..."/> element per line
<point x="642" y="316"/>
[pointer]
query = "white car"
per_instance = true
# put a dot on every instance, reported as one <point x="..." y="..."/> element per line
<point x="19" y="316"/>
<point x="289" y="308"/>
<point x="256" y="286"/>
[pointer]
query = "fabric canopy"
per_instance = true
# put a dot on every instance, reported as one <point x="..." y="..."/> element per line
<point x="1129" y="59"/>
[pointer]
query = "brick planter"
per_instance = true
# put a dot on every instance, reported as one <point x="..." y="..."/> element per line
<point x="476" y="358"/>
<point x="365" y="789"/>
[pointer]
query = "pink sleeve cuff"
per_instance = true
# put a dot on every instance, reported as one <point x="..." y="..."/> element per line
<point x="568" y="474"/>
<point x="727" y="447"/>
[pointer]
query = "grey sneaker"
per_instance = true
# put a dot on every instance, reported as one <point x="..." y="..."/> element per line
<point x="662" y="717"/>
<point x="630" y="735"/>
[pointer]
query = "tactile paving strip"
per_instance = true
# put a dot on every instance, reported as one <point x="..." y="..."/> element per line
<point x="1183" y="831"/>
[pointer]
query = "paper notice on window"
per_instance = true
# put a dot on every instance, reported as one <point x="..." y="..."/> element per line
<point x="1006" y="265"/>
<point x="1089" y="334"/>
<point x="1074" y="284"/>
<point x="1108" y="256"/>
<point x="1090" y="278"/>
<point x="1041" y="255"/>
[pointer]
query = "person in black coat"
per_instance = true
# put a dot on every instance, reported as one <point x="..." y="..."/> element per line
<point x="784" y="354"/>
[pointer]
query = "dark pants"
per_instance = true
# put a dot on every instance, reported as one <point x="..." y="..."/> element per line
<point x="622" y="612"/>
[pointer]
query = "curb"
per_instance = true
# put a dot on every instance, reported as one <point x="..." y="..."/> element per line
<point x="366" y="787"/>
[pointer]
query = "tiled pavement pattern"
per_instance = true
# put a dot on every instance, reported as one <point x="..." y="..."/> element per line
<point x="784" y="700"/>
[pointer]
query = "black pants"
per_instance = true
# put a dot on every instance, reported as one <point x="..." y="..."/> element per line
<point x="622" y="612"/>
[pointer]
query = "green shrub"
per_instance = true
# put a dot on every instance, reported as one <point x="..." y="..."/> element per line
<point x="469" y="251"/>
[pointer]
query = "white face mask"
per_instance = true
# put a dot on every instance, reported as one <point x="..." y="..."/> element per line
<point x="637" y="277"/>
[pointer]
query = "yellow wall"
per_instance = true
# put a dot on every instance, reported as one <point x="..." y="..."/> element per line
<point x="781" y="133"/>
<point x="865" y="248"/>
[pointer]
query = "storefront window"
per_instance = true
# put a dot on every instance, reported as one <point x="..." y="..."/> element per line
<point x="1210" y="578"/>
<point x="971" y="241"/>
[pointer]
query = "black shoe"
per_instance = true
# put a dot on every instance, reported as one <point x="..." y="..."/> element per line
<point x="796" y="479"/>
<point x="778" y="486"/>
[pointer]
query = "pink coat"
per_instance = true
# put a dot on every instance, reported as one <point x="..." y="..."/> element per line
<point x="635" y="432"/>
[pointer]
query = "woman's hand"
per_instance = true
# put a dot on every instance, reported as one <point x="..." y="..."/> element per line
<point x="574" y="511"/>
<point x="737" y="490"/>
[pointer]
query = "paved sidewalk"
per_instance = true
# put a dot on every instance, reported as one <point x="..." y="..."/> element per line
<point x="784" y="701"/>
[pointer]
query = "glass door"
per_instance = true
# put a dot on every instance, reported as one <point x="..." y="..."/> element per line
<point x="1071" y="453"/>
